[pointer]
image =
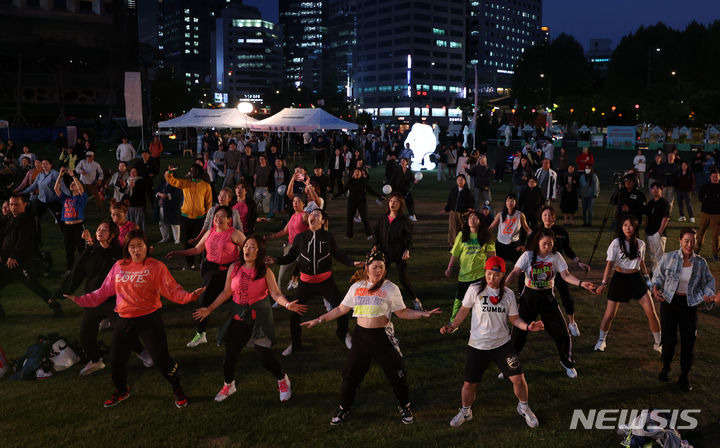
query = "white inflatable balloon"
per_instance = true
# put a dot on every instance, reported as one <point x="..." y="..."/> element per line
<point x="418" y="176"/>
<point x="422" y="142"/>
<point x="282" y="189"/>
<point x="386" y="189"/>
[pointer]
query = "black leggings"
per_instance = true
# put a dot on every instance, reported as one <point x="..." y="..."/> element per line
<point x="72" y="237"/>
<point x="543" y="302"/>
<point x="28" y="276"/>
<point x="214" y="282"/>
<point x="674" y="315"/>
<point x="369" y="344"/>
<point x="359" y="205"/>
<point x="89" y="328"/>
<point x="403" y="278"/>
<point x="564" y="292"/>
<point x="410" y="203"/>
<point x="151" y="329"/>
<point x="237" y="337"/>
<point x="38" y="208"/>
<point x="190" y="228"/>
<point x="306" y="291"/>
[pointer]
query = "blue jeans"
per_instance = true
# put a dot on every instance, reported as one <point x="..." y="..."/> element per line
<point x="684" y="197"/>
<point x="587" y="210"/>
<point x="277" y="202"/>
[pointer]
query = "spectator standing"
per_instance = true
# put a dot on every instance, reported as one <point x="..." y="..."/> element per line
<point x="125" y="151"/>
<point x="68" y="158"/>
<point x="589" y="187"/>
<point x="280" y="178"/>
<point x="668" y="174"/>
<point x="569" y="182"/>
<point x="481" y="174"/>
<point x="658" y="213"/>
<point x="336" y="168"/>
<point x="119" y="183"/>
<point x="232" y="166"/>
<point x="91" y="176"/>
<point x="72" y="216"/>
<point x="685" y="185"/>
<point x="548" y="150"/>
<point x="248" y="164"/>
<point x="458" y="203"/>
<point x="401" y="182"/>
<point x="584" y="158"/>
<point x="710" y="214"/>
<point x="653" y="170"/>
<point x="167" y="211"/>
<point x="629" y="200"/>
<point x="136" y="199"/>
<point x="530" y="202"/>
<point x="547" y="181"/>
<point x="46" y="198"/>
<point x="263" y="179"/>
<point x="156" y="148"/>
<point x="521" y="174"/>
<point x="640" y="165"/>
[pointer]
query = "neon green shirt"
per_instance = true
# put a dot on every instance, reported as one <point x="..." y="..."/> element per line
<point x="472" y="257"/>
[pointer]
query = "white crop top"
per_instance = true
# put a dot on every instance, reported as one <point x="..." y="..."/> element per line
<point x="509" y="229"/>
<point x="383" y="302"/>
<point x="685" y="274"/>
<point x="621" y="261"/>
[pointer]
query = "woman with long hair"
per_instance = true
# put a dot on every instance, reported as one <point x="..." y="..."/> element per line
<point x="509" y="223"/>
<point x="473" y="246"/>
<point x="626" y="255"/>
<point x="393" y="237"/>
<point x="72" y="215"/>
<point x="221" y="246"/>
<point x="249" y="282"/>
<point x="246" y="207"/>
<point x="460" y="200"/>
<point x="297" y="224"/>
<point x="138" y="281"/>
<point x="541" y="263"/>
<point x="225" y="198"/>
<point x="373" y="299"/>
<point x="492" y="305"/>
<point x="521" y="174"/>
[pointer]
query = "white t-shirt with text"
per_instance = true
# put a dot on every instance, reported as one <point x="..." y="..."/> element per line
<point x="383" y="302"/>
<point x="489" y="324"/>
<point x="541" y="275"/>
<point x="621" y="261"/>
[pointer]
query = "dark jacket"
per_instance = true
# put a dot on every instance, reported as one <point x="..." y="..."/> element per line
<point x="170" y="205"/>
<point x="710" y="199"/>
<point x="393" y="239"/>
<point x="358" y="188"/>
<point x="314" y="252"/>
<point x="685" y="182"/>
<point x="562" y="240"/>
<point x="286" y="173"/>
<point x="93" y="266"/>
<point x="459" y="200"/>
<point x="19" y="240"/>
<point x="402" y="181"/>
<point x="530" y="201"/>
<point x="634" y="199"/>
<point x="481" y="174"/>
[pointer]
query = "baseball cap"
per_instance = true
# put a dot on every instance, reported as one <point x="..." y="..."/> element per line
<point x="89" y="153"/>
<point x="495" y="264"/>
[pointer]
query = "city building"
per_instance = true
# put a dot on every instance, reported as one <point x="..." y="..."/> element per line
<point x="65" y="59"/>
<point x="247" y="57"/>
<point x="304" y="30"/>
<point x="410" y="59"/>
<point x="599" y="53"/>
<point x="339" y="47"/>
<point x="499" y="31"/>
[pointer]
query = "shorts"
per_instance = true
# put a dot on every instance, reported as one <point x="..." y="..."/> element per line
<point x="477" y="361"/>
<point x="624" y="287"/>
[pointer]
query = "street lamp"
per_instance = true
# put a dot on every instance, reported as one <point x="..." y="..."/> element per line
<point x="245" y="107"/>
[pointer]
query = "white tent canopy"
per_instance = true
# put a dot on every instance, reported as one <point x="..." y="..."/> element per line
<point x="528" y="128"/>
<point x="208" y="118"/>
<point x="684" y="131"/>
<point x="657" y="131"/>
<point x="712" y="130"/>
<point x="584" y="128"/>
<point x="301" y="120"/>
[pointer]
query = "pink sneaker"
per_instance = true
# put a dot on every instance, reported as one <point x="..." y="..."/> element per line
<point x="284" y="388"/>
<point x="226" y="391"/>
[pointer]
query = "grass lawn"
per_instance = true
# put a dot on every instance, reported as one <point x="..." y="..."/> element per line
<point x="67" y="410"/>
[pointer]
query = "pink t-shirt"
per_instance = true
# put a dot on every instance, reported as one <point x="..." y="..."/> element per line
<point x="242" y="210"/>
<point x="124" y="230"/>
<point x="220" y="248"/>
<point x="296" y="226"/>
<point x="247" y="291"/>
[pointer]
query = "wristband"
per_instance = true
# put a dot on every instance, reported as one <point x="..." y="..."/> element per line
<point x="287" y="304"/>
<point x="580" y="284"/>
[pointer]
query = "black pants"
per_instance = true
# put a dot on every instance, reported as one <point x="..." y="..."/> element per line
<point x="27" y="275"/>
<point x="564" y="292"/>
<point x="403" y="278"/>
<point x="359" y="205"/>
<point x="674" y="315"/>
<point x="306" y="291"/>
<point x="190" y="228"/>
<point x="151" y="330"/>
<point x="319" y="158"/>
<point x="543" y="302"/>
<point x="410" y="203"/>
<point x="89" y="328"/>
<point x="237" y="337"/>
<point x="336" y="178"/>
<point x="214" y="282"/>
<point x="369" y="344"/>
<point x="72" y="237"/>
<point x="38" y="210"/>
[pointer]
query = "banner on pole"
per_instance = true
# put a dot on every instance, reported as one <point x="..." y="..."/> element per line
<point x="133" y="100"/>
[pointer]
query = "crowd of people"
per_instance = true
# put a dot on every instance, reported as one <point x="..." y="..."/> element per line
<point x="210" y="214"/>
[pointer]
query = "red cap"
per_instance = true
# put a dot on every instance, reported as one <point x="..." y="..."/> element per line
<point x="495" y="264"/>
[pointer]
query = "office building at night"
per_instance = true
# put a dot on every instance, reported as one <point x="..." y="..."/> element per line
<point x="599" y="54"/>
<point x="340" y="42"/>
<point x="304" y="30"/>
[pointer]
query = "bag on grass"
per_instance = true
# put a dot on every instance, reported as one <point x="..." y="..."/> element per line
<point x="63" y="356"/>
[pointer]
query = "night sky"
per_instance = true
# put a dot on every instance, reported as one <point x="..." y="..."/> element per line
<point x="614" y="19"/>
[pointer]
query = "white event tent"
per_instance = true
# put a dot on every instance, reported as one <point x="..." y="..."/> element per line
<point x="210" y="118"/>
<point x="301" y="120"/>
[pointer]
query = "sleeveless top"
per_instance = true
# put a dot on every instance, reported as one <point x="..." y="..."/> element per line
<point x="220" y="248"/>
<point x="295" y="226"/>
<point x="509" y="229"/>
<point x="247" y="291"/>
<point x="124" y="230"/>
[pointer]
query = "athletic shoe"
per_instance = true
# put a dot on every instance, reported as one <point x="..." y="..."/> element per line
<point x="41" y="374"/>
<point x="681" y="219"/>
<point x="104" y="324"/>
<point x="226" y="391"/>
<point x="348" y="341"/>
<point x="357" y="219"/>
<point x="692" y="220"/>
<point x="287" y="351"/>
<point x="116" y="398"/>
<point x="180" y="399"/>
<point x="600" y="345"/>
<point x="413" y="218"/>
<point x="573" y="328"/>
<point x="146" y="359"/>
<point x="406" y="415"/>
<point x="92" y="367"/>
<point x="527" y="413"/>
<point x="461" y="417"/>
<point x="284" y="388"/>
<point x="328" y="307"/>
<point x="199" y="338"/>
<point x="163" y="241"/>
<point x="292" y="285"/>
<point x="570" y="372"/>
<point x="369" y="237"/>
<point x="657" y="348"/>
<point x="340" y="417"/>
<point x="501" y="376"/>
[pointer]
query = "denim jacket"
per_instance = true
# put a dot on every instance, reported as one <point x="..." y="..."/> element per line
<point x="667" y="276"/>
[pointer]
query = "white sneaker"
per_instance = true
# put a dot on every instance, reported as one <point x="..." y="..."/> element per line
<point x="287" y="351"/>
<point x="226" y="391"/>
<point x="292" y="284"/>
<point x="146" y="359"/>
<point x="573" y="328"/>
<point x="413" y="218"/>
<point x="657" y="348"/>
<point x="328" y="307"/>
<point x="357" y="219"/>
<point x="681" y="219"/>
<point x="692" y="220"/>
<point x="104" y="324"/>
<point x="41" y="374"/>
<point x="571" y="373"/>
<point x="284" y="388"/>
<point x="527" y="413"/>
<point x="92" y="367"/>
<point x="461" y="417"/>
<point x="501" y="376"/>
<point x="348" y="341"/>
<point x="600" y="345"/>
<point x="199" y="338"/>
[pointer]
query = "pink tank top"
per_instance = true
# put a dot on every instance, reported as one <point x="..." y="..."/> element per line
<point x="242" y="210"/>
<point x="247" y="291"/>
<point x="296" y="226"/>
<point x="124" y="230"/>
<point x="220" y="248"/>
